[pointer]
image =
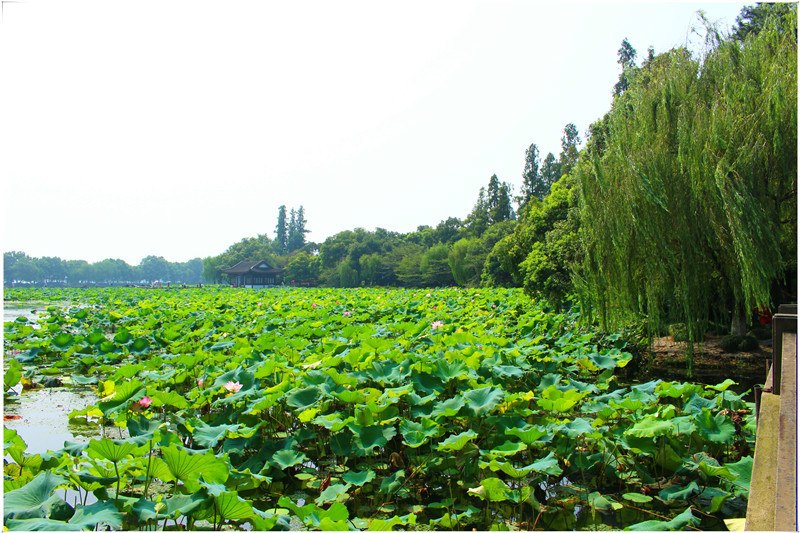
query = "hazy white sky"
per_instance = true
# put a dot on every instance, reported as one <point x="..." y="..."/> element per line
<point x="177" y="128"/>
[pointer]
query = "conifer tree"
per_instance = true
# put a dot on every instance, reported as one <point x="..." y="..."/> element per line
<point x="282" y="236"/>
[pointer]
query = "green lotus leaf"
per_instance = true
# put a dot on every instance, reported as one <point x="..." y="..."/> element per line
<point x="62" y="341"/>
<point x="547" y="465"/>
<point x="454" y="443"/>
<point x="95" y="337"/>
<point x="221" y="346"/>
<point x="170" y="398"/>
<point x="577" y="427"/>
<point x="12" y="374"/>
<point x="35" y="500"/>
<point x="326" y="524"/>
<point x="358" y="478"/>
<point x="188" y="466"/>
<point x="484" y="400"/>
<point x="232" y="507"/>
<point x="678" y="523"/>
<point x="508" y="447"/>
<point x="447" y="370"/>
<point x="697" y="403"/>
<point x="507" y="371"/>
<point x="492" y="489"/>
<point x="392" y="484"/>
<point x="334" y="492"/>
<point x="304" y="398"/>
<point x="112" y="449"/>
<point x="528" y="433"/>
<point x="679" y="493"/>
<point x="129" y="391"/>
<point x="415" y="434"/>
<point x="494" y="465"/>
<point x="42" y="524"/>
<point x="350" y="396"/>
<point x="743" y="468"/>
<point x="449" y="407"/>
<point x="650" y="426"/>
<point x="332" y="422"/>
<point x="123" y="336"/>
<point x="377" y="524"/>
<point x="598" y="501"/>
<point x="287" y="458"/>
<point x="101" y="512"/>
<point x="84" y="380"/>
<point x="715" y="428"/>
<point x="342" y="443"/>
<point x="554" y="399"/>
<point x="367" y="438"/>
<point x="637" y="497"/>
<point x="722" y="386"/>
<point x="209" y="436"/>
<point x="140" y="345"/>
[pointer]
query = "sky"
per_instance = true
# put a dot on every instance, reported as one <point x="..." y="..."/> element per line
<point x="178" y="128"/>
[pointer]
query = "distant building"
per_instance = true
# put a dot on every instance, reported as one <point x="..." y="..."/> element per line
<point x="253" y="274"/>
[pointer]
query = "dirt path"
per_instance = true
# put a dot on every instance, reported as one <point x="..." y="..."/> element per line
<point x="666" y="359"/>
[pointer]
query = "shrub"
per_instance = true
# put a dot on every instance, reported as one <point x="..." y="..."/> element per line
<point x="678" y="332"/>
<point x="731" y="343"/>
<point x="748" y="344"/>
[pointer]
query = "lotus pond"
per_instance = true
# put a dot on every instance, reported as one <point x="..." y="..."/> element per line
<point x="346" y="409"/>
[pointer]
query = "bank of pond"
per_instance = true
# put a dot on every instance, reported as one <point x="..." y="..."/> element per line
<point x="369" y="409"/>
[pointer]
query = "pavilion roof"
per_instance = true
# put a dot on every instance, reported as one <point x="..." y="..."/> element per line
<point x="252" y="267"/>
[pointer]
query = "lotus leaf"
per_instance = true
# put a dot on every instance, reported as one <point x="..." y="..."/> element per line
<point x="680" y="522"/>
<point x="35" y="500"/>
<point x="188" y="466"/>
<point x="287" y="458"/>
<point x="230" y="506"/>
<point x="449" y="407"/>
<point x="650" y="426"/>
<point x="304" y="398"/>
<point x="334" y="492"/>
<point x="484" y="400"/>
<point x="717" y="428"/>
<point x="358" y="478"/>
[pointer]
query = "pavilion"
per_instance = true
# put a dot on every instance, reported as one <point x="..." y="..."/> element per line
<point x="253" y="274"/>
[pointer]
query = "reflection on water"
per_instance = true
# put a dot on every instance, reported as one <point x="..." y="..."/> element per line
<point x="44" y="425"/>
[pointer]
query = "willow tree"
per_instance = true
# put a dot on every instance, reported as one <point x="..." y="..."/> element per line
<point x="690" y="208"/>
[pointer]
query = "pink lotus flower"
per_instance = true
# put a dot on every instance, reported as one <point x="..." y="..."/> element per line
<point x="347" y="313"/>
<point x="199" y="382"/>
<point x="233" y="386"/>
<point x="145" y="402"/>
<point x="437" y="324"/>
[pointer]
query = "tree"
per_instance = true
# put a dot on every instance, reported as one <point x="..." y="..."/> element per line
<point x="498" y="204"/>
<point x="689" y="215"/>
<point x="533" y="183"/>
<point x="626" y="57"/>
<point x="478" y="219"/>
<point x="297" y="230"/>
<point x="281" y="232"/>
<point x="303" y="268"/>
<point x="752" y="19"/>
<point x="434" y="267"/>
<point x="569" y="150"/>
<point x="154" y="268"/>
<point x="551" y="170"/>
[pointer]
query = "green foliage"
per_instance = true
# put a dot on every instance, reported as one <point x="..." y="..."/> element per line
<point x="544" y="246"/>
<point x="688" y="213"/>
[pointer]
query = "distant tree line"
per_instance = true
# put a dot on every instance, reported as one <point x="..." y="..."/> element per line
<point x="19" y="268"/>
